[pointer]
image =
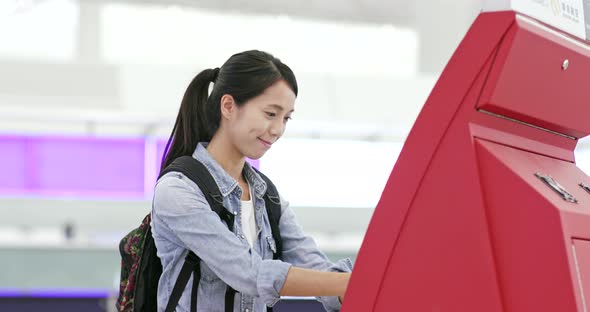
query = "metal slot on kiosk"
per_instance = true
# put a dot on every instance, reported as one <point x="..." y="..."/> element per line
<point x="585" y="186"/>
<point x="512" y="232"/>
<point x="557" y="188"/>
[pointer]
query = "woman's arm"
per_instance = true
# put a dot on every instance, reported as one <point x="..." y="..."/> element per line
<point x="306" y="282"/>
<point x="311" y="270"/>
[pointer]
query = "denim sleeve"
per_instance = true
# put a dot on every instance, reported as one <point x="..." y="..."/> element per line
<point x="301" y="250"/>
<point x="182" y="207"/>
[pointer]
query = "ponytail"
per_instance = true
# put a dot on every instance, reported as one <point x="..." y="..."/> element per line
<point x="193" y="123"/>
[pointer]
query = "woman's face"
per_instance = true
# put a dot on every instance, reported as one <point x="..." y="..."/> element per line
<point x="261" y="121"/>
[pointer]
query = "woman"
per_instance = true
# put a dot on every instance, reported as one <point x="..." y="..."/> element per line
<point x="251" y="101"/>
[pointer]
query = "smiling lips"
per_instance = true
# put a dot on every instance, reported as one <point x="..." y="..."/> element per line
<point x="266" y="143"/>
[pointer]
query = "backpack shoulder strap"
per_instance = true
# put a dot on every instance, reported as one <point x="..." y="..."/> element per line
<point x="199" y="174"/>
<point x="273" y="208"/>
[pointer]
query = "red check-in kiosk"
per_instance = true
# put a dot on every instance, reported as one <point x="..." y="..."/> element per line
<point x="485" y="209"/>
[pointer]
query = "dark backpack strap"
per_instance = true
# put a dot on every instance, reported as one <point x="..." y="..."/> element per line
<point x="195" y="290"/>
<point x="273" y="209"/>
<point x="200" y="175"/>
<point x="191" y="264"/>
<point x="230" y="295"/>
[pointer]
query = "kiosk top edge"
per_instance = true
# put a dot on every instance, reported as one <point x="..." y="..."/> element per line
<point x="569" y="16"/>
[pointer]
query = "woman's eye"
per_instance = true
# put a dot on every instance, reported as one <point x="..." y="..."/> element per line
<point x="287" y="118"/>
<point x="270" y="114"/>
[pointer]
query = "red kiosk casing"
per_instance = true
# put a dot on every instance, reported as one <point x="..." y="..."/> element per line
<point x="485" y="209"/>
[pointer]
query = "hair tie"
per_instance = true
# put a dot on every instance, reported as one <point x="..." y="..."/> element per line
<point x="214" y="74"/>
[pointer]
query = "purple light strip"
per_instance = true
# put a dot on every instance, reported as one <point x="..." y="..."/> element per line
<point x="151" y="167"/>
<point x="56" y="292"/>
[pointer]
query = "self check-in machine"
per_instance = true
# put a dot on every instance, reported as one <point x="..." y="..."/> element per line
<point x="485" y="209"/>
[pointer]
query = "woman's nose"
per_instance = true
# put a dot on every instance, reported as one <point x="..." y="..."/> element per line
<point x="277" y="128"/>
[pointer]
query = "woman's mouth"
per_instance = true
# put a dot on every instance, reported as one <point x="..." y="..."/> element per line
<point x="266" y="143"/>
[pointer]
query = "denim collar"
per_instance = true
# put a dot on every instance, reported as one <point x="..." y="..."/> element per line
<point x="224" y="181"/>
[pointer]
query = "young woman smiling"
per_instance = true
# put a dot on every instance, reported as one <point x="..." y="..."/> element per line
<point x="250" y="104"/>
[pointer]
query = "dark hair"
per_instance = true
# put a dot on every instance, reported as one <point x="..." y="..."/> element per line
<point x="243" y="76"/>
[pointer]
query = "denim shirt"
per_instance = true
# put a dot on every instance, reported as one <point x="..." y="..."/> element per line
<point x="182" y="220"/>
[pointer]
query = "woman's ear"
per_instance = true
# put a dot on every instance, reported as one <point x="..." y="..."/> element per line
<point x="228" y="106"/>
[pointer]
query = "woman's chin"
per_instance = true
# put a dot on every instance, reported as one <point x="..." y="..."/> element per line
<point x="255" y="156"/>
<point x="255" y="153"/>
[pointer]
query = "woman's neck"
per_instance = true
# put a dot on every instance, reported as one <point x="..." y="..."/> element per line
<point x="228" y="157"/>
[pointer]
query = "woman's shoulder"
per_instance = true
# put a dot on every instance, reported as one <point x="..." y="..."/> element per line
<point x="176" y="184"/>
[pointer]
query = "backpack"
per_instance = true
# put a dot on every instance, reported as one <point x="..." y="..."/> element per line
<point x="140" y="266"/>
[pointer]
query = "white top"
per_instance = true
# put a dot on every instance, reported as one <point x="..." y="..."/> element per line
<point x="248" y="220"/>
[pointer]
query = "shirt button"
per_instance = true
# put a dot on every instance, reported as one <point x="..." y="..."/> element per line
<point x="247" y="310"/>
<point x="235" y="213"/>
<point x="242" y="236"/>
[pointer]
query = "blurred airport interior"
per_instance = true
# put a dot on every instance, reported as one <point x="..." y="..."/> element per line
<point x="89" y="90"/>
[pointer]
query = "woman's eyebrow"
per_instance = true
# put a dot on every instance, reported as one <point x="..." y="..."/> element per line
<point x="280" y="108"/>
